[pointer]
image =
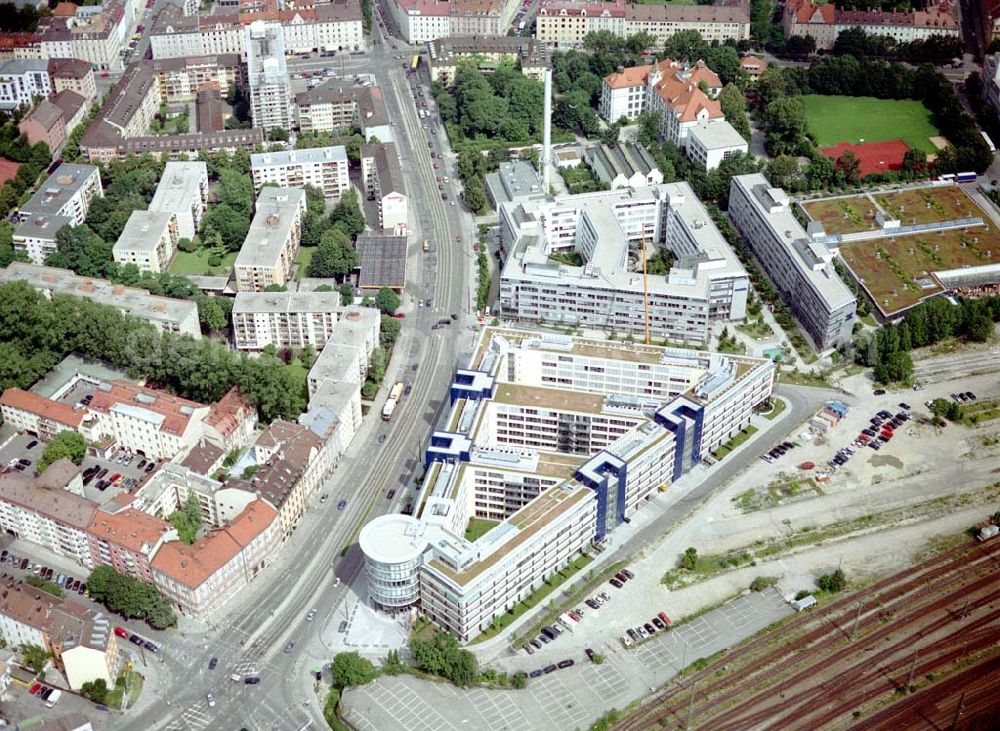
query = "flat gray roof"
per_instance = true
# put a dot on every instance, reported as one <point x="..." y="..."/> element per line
<point x="131" y="300"/>
<point x="276" y="213"/>
<point x="41" y="226"/>
<point x="254" y="302"/>
<point x="309" y="156"/>
<point x="717" y="135"/>
<point x="143" y="230"/>
<point x="382" y="260"/>
<point x="58" y="188"/>
<point x="179" y="185"/>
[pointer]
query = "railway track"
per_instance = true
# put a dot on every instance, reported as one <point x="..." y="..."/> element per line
<point x="920" y="602"/>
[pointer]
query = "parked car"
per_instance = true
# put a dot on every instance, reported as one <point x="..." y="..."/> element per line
<point x="390" y="495"/>
<point x="213" y="663"/>
<point x="535" y="674"/>
<point x="150" y="646"/>
<point x="563" y="664"/>
<point x="549" y="669"/>
<point x="665" y="619"/>
<point x="628" y="574"/>
<point x="252" y="680"/>
<point x="626" y="640"/>
<point x="341" y="505"/>
<point x="616" y="583"/>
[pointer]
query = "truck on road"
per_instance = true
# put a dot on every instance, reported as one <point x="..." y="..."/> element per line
<point x="390" y="404"/>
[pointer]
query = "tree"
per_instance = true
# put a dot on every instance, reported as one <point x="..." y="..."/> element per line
<point x="387" y="301"/>
<point x="349" y="668"/>
<point x="226" y="223"/>
<point x="250" y="471"/>
<point x="849" y="166"/>
<point x="686" y="45"/>
<point x="915" y="162"/>
<point x="690" y="559"/>
<point x="782" y="170"/>
<point x="64" y="445"/>
<point x="347" y="215"/>
<point x="734" y="108"/>
<point x="335" y="256"/>
<point x="35" y="656"/>
<point x="441" y="655"/>
<point x="130" y="597"/>
<point x="786" y="125"/>
<point x="389" y="330"/>
<point x="80" y="249"/>
<point x="833" y="582"/>
<point x="474" y="195"/>
<point x="346" y="294"/>
<point x="897" y="366"/>
<point x="212" y="313"/>
<point x="96" y="691"/>
<point x="277" y="134"/>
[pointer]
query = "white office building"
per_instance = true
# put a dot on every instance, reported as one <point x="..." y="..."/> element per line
<point x="799" y="263"/>
<point x="606" y="231"/>
<point x="560" y="440"/>
<point x="267" y="74"/>
<point x="183" y="191"/>
<point x="21" y="81"/>
<point x="325" y="168"/>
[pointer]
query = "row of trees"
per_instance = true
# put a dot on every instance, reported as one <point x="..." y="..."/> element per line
<point x="858" y="43"/>
<point x="36" y="333"/>
<point x="130" y="597"/>
<point x="334" y="235"/>
<point x="886" y="349"/>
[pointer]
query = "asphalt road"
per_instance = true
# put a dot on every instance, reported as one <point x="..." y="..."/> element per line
<point x="310" y="571"/>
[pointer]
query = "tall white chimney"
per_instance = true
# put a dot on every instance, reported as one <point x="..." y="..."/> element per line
<point x="547" y="132"/>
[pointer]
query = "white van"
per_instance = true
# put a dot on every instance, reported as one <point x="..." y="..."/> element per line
<point x="54" y="698"/>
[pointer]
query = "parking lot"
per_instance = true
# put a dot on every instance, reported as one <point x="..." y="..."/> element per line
<point x="117" y="474"/>
<point x="562" y="699"/>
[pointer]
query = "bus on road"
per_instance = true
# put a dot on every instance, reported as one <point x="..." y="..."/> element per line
<point x="390" y="403"/>
<point x="415" y="63"/>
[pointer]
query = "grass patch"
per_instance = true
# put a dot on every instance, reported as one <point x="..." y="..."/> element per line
<point x="777" y="407"/>
<point x="736" y="441"/>
<point x="534" y="599"/>
<point x="46" y="586"/>
<point x="756" y="329"/>
<point x="117" y="694"/>
<point x="303" y="261"/>
<point x="196" y="262"/>
<point x="706" y="566"/>
<point x="478" y="527"/>
<point x="977" y="412"/>
<point x="834" y="119"/>
<point x="569" y="258"/>
<point x="799" y="378"/>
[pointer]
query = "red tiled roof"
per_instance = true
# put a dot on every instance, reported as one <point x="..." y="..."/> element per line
<point x="130" y="528"/>
<point x="176" y="411"/>
<point x="18" y="398"/>
<point x="631" y="76"/>
<point x="226" y="414"/>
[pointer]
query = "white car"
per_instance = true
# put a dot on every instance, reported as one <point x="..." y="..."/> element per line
<point x="626" y="640"/>
<point x="211" y="701"/>
<point x="642" y="632"/>
<point x="310" y="615"/>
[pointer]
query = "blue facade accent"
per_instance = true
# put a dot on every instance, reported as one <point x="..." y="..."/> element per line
<point x="601" y="474"/>
<point x="471" y="385"/>
<point x="444" y="446"/>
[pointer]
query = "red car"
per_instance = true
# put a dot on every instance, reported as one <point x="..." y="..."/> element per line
<point x="664" y="618"/>
<point x="399" y="315"/>
<point x="436" y="166"/>
<point x="115" y="477"/>
<point x="121" y="632"/>
<point x="104" y="74"/>
<point x="35" y="688"/>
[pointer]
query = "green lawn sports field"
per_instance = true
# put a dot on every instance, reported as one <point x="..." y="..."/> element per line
<point x="834" y="119"/>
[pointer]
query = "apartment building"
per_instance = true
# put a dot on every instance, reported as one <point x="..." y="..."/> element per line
<point x="179" y="77"/>
<point x="267" y="76"/>
<point x="63" y="200"/>
<point x="199" y="578"/>
<point x="284" y="319"/>
<point x="711" y="143"/>
<point x="824" y="22"/>
<point x="80" y="638"/>
<point x="445" y="54"/>
<point x="183" y="193"/>
<point x="73" y="74"/>
<point x="798" y="263"/>
<point x="706" y="284"/>
<point x="231" y="421"/>
<point x="22" y="81"/>
<point x="268" y="254"/>
<point x="44" y="123"/>
<point x="420" y="21"/>
<point x="338" y="107"/>
<point x="328" y="26"/>
<point x="48" y="510"/>
<point x="565" y="23"/>
<point x="94" y="34"/>
<point x="127" y="540"/>
<point x="293" y="462"/>
<point x="145" y="421"/>
<point x="561" y="439"/>
<point x="126" y="113"/>
<point x="185" y="147"/>
<point x="383" y="180"/>
<point x="149" y="240"/>
<point x="991" y="81"/>
<point x="164" y="313"/>
<point x="325" y="168"/>
<point x="623" y="166"/>
<point x="28" y="412"/>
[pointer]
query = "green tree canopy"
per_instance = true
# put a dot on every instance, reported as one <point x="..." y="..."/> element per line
<point x="387" y="301"/>
<point x="64" y="445"/>
<point x="349" y="669"/>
